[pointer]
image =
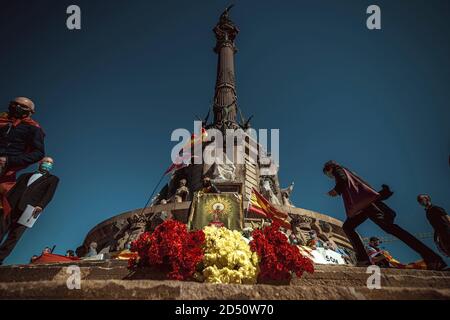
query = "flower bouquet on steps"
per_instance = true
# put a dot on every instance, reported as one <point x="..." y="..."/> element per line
<point x="218" y="255"/>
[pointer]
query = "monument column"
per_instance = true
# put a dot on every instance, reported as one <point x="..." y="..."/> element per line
<point x="225" y="99"/>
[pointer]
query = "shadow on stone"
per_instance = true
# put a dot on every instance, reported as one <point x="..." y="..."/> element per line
<point x="146" y="274"/>
<point x="272" y="282"/>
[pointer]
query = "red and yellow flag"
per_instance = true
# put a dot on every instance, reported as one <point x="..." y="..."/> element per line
<point x="261" y="206"/>
<point x="195" y="139"/>
<point x="397" y="264"/>
<point x="182" y="160"/>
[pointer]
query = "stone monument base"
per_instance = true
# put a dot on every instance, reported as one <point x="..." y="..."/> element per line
<point x="111" y="280"/>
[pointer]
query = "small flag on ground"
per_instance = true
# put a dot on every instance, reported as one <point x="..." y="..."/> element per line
<point x="261" y="206"/>
<point x="306" y="251"/>
<point x="421" y="265"/>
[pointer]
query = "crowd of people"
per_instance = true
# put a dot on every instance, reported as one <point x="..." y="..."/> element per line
<point x="22" y="145"/>
<point x="362" y="202"/>
<point x="47" y="250"/>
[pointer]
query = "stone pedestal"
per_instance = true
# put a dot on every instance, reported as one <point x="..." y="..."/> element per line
<point x="111" y="280"/>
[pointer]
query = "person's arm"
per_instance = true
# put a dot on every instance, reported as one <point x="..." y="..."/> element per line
<point x="341" y="180"/>
<point x="441" y="220"/>
<point x="17" y="184"/>
<point x="51" y="188"/>
<point x="441" y="212"/>
<point x="378" y="258"/>
<point x="214" y="188"/>
<point x="37" y="152"/>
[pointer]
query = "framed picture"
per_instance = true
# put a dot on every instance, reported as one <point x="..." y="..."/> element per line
<point x="220" y="209"/>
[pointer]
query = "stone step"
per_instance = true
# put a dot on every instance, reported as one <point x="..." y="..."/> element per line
<point x="325" y="275"/>
<point x="357" y="277"/>
<point x="93" y="270"/>
<point x="178" y="290"/>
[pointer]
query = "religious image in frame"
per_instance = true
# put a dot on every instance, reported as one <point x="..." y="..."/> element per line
<point x="219" y="209"/>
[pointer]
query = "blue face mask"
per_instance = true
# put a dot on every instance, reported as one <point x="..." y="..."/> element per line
<point x="46" y="166"/>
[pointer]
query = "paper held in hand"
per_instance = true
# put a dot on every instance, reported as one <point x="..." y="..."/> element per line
<point x="27" y="219"/>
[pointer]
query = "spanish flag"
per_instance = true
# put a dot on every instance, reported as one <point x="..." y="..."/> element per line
<point x="183" y="160"/>
<point x="261" y="206"/>
<point x="196" y="140"/>
<point x="180" y="162"/>
<point x="421" y="265"/>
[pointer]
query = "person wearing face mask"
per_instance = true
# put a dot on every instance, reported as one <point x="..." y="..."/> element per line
<point x="362" y="202"/>
<point x="36" y="189"/>
<point x="21" y="144"/>
<point x="439" y="220"/>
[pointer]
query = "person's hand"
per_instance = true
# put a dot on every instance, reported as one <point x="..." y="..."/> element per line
<point x="36" y="212"/>
<point x="332" y="193"/>
<point x="2" y="162"/>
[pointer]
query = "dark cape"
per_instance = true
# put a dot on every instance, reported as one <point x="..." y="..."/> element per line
<point x="440" y="222"/>
<point x="356" y="193"/>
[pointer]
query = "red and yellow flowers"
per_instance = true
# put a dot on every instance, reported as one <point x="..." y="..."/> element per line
<point x="218" y="255"/>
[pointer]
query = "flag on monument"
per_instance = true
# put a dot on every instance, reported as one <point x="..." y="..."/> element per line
<point x="181" y="161"/>
<point x="261" y="206"/>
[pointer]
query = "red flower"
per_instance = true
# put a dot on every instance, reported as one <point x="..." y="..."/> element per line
<point x="170" y="248"/>
<point x="278" y="257"/>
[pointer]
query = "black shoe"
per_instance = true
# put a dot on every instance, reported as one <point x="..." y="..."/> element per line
<point x="385" y="192"/>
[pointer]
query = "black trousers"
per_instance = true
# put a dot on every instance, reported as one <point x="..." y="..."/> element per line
<point x="13" y="232"/>
<point x="385" y="222"/>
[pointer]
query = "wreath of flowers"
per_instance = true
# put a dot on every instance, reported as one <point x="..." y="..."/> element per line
<point x="278" y="258"/>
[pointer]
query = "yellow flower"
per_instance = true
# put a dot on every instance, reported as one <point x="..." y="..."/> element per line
<point x="228" y="258"/>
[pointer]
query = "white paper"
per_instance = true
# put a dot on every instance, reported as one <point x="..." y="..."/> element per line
<point x="100" y="256"/>
<point x="27" y="219"/>
<point x="326" y="256"/>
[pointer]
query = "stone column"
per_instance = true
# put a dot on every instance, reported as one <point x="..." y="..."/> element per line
<point x="225" y="106"/>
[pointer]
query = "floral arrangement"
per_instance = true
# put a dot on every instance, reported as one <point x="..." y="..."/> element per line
<point x="219" y="255"/>
<point x="170" y="248"/>
<point x="227" y="257"/>
<point x="277" y="257"/>
<point x="140" y="246"/>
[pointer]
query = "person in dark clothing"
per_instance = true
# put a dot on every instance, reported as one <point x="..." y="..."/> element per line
<point x="440" y="222"/>
<point x="21" y="144"/>
<point x="70" y="253"/>
<point x="362" y="203"/>
<point x="376" y="255"/>
<point x="36" y="189"/>
<point x="209" y="187"/>
<point x="46" y="250"/>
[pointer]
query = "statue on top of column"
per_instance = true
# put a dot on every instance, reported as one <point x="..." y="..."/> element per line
<point x="225" y="29"/>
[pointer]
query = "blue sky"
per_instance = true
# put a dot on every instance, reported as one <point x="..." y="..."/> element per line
<point x="109" y="96"/>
